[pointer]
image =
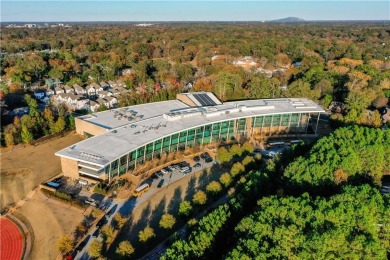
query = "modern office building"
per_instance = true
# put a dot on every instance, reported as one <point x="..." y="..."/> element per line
<point x="120" y="139"/>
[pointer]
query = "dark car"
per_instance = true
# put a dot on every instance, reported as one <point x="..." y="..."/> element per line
<point x="196" y="165"/>
<point x="154" y="176"/>
<point x="205" y="155"/>
<point x="208" y="159"/>
<point x="160" y="184"/>
<point x="188" y="170"/>
<point x="183" y="164"/>
<point x="81" y="245"/>
<point x="196" y="158"/>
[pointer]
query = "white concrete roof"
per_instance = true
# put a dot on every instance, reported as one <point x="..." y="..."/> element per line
<point x="165" y="118"/>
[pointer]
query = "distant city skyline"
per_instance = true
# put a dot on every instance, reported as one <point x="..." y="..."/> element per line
<point x="153" y="11"/>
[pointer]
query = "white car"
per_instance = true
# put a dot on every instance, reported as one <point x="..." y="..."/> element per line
<point x="164" y="171"/>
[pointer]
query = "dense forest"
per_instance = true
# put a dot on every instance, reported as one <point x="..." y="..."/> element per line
<point x="301" y="217"/>
<point x="347" y="62"/>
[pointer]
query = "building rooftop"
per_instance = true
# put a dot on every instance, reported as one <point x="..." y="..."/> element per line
<point x="131" y="127"/>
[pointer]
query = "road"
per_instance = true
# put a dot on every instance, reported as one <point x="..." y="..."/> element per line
<point x="125" y="207"/>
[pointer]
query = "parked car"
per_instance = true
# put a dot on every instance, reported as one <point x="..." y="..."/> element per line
<point x="171" y="168"/>
<point x="183" y="169"/>
<point x="208" y="159"/>
<point x="197" y="165"/>
<point x="205" y="155"/>
<point x="165" y="171"/>
<point x="154" y="176"/>
<point x="159" y="174"/>
<point x="187" y="170"/>
<point x="91" y="202"/>
<point x="160" y="184"/>
<point x="196" y="158"/>
<point x="385" y="189"/>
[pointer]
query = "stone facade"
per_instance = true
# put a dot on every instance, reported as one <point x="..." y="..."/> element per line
<point x="84" y="128"/>
<point x="70" y="168"/>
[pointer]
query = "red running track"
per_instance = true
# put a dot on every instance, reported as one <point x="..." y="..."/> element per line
<point x="11" y="240"/>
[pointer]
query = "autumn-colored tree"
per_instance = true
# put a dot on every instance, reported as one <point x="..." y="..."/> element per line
<point x="65" y="245"/>
<point x="214" y="187"/>
<point x="225" y="179"/>
<point x="200" y="198"/>
<point x="108" y="233"/>
<point x="125" y="249"/>
<point x="167" y="221"/>
<point x="340" y="176"/>
<point x="95" y="249"/>
<point x="146" y="234"/>
<point x="185" y="208"/>
<point x="119" y="220"/>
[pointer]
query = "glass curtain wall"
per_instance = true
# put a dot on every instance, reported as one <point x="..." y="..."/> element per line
<point x="297" y="123"/>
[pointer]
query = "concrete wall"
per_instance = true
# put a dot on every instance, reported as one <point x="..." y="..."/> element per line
<point x="70" y="168"/>
<point x="85" y="126"/>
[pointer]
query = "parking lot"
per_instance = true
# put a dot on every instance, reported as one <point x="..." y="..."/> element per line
<point x="175" y="172"/>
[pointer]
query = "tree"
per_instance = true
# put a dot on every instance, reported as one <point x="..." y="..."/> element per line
<point x="235" y="150"/>
<point x="340" y="176"/>
<point x="65" y="245"/>
<point x="225" y="179"/>
<point x="167" y="221"/>
<point x="248" y="147"/>
<point x="96" y="212"/>
<point x="95" y="248"/>
<point x="247" y="160"/>
<point x="59" y="125"/>
<point x="119" y="220"/>
<point x="146" y="234"/>
<point x="125" y="249"/>
<point x="213" y="187"/>
<point x="81" y="228"/>
<point x="185" y="208"/>
<point x="200" y="198"/>
<point x="108" y="233"/>
<point x="223" y="155"/>
<point x="237" y="168"/>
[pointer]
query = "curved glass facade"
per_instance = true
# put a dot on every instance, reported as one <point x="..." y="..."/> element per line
<point x="265" y="125"/>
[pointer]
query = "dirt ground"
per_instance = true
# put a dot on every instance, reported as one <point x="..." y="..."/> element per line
<point x="25" y="167"/>
<point x="22" y="169"/>
<point x="49" y="222"/>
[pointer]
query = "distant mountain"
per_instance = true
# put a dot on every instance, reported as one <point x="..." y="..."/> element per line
<point x="288" y="20"/>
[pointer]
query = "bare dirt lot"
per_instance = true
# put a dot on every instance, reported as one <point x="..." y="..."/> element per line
<point x="22" y="169"/>
<point x="49" y="222"/>
<point x="26" y="166"/>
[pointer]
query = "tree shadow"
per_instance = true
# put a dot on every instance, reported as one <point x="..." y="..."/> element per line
<point x="174" y="204"/>
<point x="157" y="212"/>
<point x="190" y="191"/>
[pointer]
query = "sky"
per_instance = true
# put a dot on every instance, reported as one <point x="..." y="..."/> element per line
<point x="185" y="10"/>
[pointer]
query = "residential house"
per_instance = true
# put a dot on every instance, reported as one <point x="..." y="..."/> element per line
<point x="79" y="90"/>
<point x="91" y="91"/>
<point x="68" y="89"/>
<point x="50" y="92"/>
<point x="97" y="87"/>
<point x="104" y="85"/>
<point x="112" y="84"/>
<point x="103" y="94"/>
<point x="93" y="106"/>
<point x="59" y="90"/>
<point x="111" y="101"/>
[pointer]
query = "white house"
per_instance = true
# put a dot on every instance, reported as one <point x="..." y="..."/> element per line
<point x="103" y="94"/>
<point x="91" y="90"/>
<point x="68" y="89"/>
<point x="93" y="106"/>
<point x="79" y="90"/>
<point x="111" y="101"/>
<point x="59" y="90"/>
